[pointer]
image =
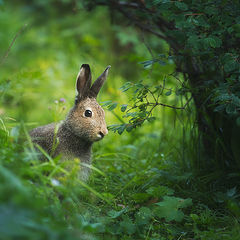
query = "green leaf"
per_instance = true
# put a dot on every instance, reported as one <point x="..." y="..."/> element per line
<point x="218" y="41"/>
<point x="131" y="114"/>
<point x="181" y="5"/>
<point x="148" y="63"/>
<point x="210" y="42"/>
<point x="219" y="108"/>
<point x="129" y="127"/>
<point x="112" y="106"/>
<point x="124" y="107"/>
<point x="115" y="214"/>
<point x="231" y="109"/>
<point x="118" y="128"/>
<point x="168" y="93"/>
<point x="126" y="86"/>
<point x="106" y="103"/>
<point x="143" y="216"/>
<point x="230" y="65"/>
<point x="121" y="129"/>
<point x="127" y="225"/>
<point x="170" y="207"/>
<point x="231" y="192"/>
<point x="162" y="63"/>
<point x="151" y="119"/>
<point x="160" y="191"/>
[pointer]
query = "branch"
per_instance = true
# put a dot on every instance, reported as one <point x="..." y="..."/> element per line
<point x="170" y="106"/>
<point x="165" y="105"/>
<point x="119" y="6"/>
<point x="161" y="21"/>
<point x="142" y="26"/>
<point x="127" y="4"/>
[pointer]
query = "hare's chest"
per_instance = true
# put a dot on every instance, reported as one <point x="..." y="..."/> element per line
<point x="73" y="148"/>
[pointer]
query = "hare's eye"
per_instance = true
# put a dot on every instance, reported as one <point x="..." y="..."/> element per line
<point x="88" y="113"/>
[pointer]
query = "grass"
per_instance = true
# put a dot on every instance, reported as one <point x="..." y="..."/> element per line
<point x="144" y="184"/>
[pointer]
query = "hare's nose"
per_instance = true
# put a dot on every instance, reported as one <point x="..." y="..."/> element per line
<point x="103" y="133"/>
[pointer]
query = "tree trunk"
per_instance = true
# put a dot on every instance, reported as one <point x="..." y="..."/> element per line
<point x="218" y="133"/>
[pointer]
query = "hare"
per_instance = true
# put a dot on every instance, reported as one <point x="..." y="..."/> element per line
<point x="84" y="124"/>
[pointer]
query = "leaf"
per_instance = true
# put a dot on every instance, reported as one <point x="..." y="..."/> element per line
<point x="143" y="216"/>
<point x="162" y="63"/>
<point x="126" y="86"/>
<point x="230" y="65"/>
<point x="168" y="93"/>
<point x="181" y="5"/>
<point x="231" y="192"/>
<point x="106" y="103"/>
<point x="112" y="106"/>
<point x="170" y="207"/>
<point x="219" y="108"/>
<point x="210" y="42"/>
<point x="124" y="107"/>
<point x="115" y="214"/>
<point x="151" y="119"/>
<point x="127" y="225"/>
<point x="131" y="114"/>
<point x="231" y="109"/>
<point x="160" y="191"/>
<point x="129" y="127"/>
<point x="118" y="128"/>
<point x="121" y="129"/>
<point x="94" y="227"/>
<point x="218" y="41"/>
<point x="148" y="63"/>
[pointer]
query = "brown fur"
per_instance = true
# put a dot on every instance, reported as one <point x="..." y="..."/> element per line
<point x="75" y="135"/>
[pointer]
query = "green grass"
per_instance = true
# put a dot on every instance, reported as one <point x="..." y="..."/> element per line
<point x="144" y="184"/>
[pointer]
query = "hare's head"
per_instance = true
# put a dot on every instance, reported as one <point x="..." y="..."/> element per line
<point x="87" y="119"/>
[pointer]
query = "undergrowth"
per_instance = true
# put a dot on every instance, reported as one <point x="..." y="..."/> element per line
<point x="131" y="194"/>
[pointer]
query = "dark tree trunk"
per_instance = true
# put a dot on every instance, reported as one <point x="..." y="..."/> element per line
<point x="218" y="132"/>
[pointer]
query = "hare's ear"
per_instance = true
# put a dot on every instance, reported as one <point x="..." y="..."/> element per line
<point x="98" y="83"/>
<point x="83" y="83"/>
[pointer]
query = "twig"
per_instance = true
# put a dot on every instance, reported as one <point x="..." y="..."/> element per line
<point x="11" y="44"/>
<point x="127" y="4"/>
<point x="150" y="112"/>
<point x="170" y="106"/>
<point x="152" y="94"/>
<point x="146" y="45"/>
<point x="163" y="87"/>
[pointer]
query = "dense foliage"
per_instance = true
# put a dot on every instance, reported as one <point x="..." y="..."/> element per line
<point x="146" y="182"/>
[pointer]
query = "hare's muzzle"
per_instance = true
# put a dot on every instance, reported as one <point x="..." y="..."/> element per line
<point x="102" y="133"/>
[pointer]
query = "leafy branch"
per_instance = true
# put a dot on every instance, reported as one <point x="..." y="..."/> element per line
<point x="145" y="100"/>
